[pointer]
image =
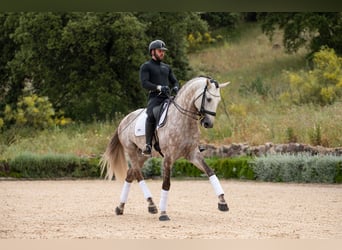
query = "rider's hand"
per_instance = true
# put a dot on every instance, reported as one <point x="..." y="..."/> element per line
<point x="175" y="90"/>
<point x="164" y="89"/>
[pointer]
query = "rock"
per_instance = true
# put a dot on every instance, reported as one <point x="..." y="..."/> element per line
<point x="243" y="149"/>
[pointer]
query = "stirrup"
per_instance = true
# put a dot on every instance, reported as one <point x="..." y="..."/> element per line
<point x="148" y="150"/>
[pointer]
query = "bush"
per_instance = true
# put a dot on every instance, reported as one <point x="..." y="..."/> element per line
<point x="28" y="165"/>
<point x="226" y="168"/>
<point x="298" y="168"/>
<point x="33" y="111"/>
<point x="152" y="167"/>
<point x="322" y="85"/>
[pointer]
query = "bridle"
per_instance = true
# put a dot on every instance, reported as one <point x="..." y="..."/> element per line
<point x="199" y="115"/>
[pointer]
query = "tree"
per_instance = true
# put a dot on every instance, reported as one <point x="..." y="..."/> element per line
<point x="221" y="19"/>
<point x="86" y="63"/>
<point x="305" y="28"/>
<point x="8" y="92"/>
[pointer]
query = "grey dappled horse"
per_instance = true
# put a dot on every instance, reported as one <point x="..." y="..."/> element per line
<point x="196" y="101"/>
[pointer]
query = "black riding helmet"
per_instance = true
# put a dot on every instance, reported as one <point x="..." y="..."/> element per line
<point x="157" y="44"/>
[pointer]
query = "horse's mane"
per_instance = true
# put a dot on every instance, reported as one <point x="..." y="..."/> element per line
<point x="189" y="83"/>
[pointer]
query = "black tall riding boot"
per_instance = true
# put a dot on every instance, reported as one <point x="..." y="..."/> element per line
<point x="149" y="131"/>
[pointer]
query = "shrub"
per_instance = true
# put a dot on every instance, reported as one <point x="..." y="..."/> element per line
<point x="33" y="111"/>
<point x="237" y="167"/>
<point x="322" y="85"/>
<point x="198" y="40"/>
<point x="298" y="168"/>
<point x="28" y="165"/>
<point x="152" y="167"/>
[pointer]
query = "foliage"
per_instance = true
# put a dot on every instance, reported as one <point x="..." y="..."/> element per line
<point x="32" y="111"/>
<point x="298" y="168"/>
<point x="152" y="168"/>
<point x="29" y="165"/>
<point x="305" y="28"/>
<point x="225" y="168"/>
<point x="257" y="86"/>
<point x="290" y="135"/>
<point x="322" y="85"/>
<point x="87" y="64"/>
<point x="196" y="40"/>
<point x="221" y="19"/>
<point x="278" y="168"/>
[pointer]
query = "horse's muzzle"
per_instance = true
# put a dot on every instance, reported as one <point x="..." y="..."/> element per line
<point x="206" y="122"/>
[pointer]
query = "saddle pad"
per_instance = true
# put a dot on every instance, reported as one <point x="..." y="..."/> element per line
<point x="140" y="124"/>
<point x="139" y="129"/>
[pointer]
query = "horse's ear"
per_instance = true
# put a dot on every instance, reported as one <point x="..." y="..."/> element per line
<point x="208" y="84"/>
<point x="222" y="85"/>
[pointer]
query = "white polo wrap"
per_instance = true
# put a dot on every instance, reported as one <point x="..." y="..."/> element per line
<point x="216" y="185"/>
<point x="163" y="200"/>
<point x="145" y="190"/>
<point x="124" y="192"/>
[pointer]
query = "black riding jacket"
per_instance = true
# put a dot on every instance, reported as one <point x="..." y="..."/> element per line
<point x="153" y="73"/>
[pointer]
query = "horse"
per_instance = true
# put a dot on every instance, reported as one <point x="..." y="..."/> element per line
<point x="195" y="102"/>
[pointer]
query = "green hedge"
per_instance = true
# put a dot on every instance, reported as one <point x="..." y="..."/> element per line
<point x="28" y="165"/>
<point x="279" y="167"/>
<point x="224" y="168"/>
<point x="298" y="168"/>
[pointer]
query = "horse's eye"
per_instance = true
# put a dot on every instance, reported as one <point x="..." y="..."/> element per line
<point x="209" y="99"/>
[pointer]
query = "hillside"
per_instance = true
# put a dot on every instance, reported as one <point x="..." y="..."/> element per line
<point x="251" y="111"/>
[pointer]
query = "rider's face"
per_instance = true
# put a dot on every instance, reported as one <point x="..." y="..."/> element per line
<point x="159" y="54"/>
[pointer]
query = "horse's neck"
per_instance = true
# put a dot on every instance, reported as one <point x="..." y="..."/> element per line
<point x="187" y="97"/>
<point x="184" y="116"/>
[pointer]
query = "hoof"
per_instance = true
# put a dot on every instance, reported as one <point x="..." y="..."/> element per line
<point x="164" y="217"/>
<point x="223" y="207"/>
<point x="152" y="209"/>
<point x="118" y="211"/>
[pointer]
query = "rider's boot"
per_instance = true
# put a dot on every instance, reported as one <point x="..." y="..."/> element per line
<point x="149" y="130"/>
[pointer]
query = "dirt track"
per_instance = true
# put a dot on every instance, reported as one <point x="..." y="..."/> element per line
<point x="85" y="209"/>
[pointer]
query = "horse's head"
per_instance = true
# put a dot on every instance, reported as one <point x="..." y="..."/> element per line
<point x="207" y="101"/>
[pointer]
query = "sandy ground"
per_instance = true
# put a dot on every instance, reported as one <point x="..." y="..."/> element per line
<point x="84" y="209"/>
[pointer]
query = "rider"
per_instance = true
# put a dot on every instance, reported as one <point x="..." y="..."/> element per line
<point x="155" y="76"/>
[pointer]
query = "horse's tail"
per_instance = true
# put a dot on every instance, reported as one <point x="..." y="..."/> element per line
<point x="113" y="160"/>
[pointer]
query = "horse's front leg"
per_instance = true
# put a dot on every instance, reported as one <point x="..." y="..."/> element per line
<point x="165" y="189"/>
<point x="199" y="162"/>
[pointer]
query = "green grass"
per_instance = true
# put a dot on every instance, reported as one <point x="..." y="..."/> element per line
<point x="77" y="139"/>
<point x="254" y="117"/>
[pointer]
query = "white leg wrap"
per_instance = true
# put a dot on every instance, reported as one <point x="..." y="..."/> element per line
<point x="163" y="200"/>
<point x="144" y="188"/>
<point x="216" y="185"/>
<point x="124" y="192"/>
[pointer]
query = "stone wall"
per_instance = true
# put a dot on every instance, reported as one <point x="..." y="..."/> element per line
<point x="241" y="149"/>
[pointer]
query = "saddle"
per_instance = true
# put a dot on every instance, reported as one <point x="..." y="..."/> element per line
<point x="160" y="114"/>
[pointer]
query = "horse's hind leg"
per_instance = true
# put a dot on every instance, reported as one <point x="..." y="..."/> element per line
<point x="152" y="208"/>
<point x="132" y="174"/>
<point x="125" y="191"/>
<point x="137" y="161"/>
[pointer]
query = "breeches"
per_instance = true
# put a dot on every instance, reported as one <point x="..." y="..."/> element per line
<point x="153" y="102"/>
